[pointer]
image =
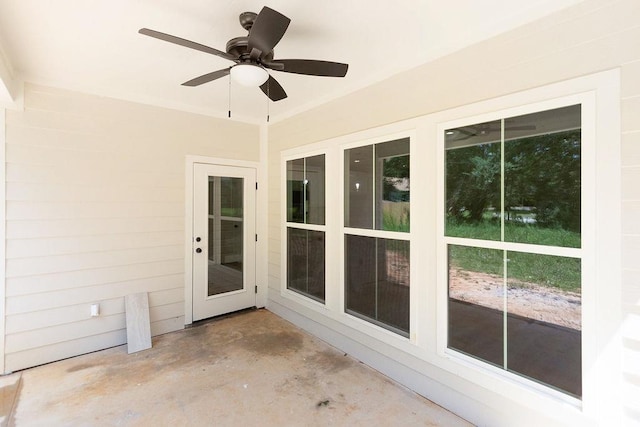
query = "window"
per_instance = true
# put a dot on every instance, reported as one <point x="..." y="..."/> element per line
<point x="513" y="238"/>
<point x="305" y="226"/>
<point x="376" y="219"/>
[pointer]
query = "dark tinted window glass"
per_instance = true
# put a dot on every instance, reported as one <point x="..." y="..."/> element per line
<point x="305" y="262"/>
<point x="476" y="302"/>
<point x="544" y="319"/>
<point x="377" y="281"/>
<point x="359" y="189"/>
<point x="314" y="183"/>
<point x="377" y="191"/>
<point x="295" y="190"/>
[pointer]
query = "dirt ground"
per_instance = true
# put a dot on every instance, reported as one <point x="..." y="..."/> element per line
<point x="525" y="299"/>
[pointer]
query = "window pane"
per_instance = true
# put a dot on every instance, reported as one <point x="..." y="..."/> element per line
<point x="377" y="281"/>
<point x="295" y="190"/>
<point x="542" y="178"/>
<point x="377" y="186"/>
<point x="392" y="178"/>
<point x="225" y="235"/>
<point x="544" y="319"/>
<point x="393" y="283"/>
<point x="314" y="189"/>
<point x="358" y="191"/>
<point x="472" y="162"/>
<point x="305" y="262"/>
<point x="476" y="302"/>
<point x="231" y="193"/>
<point x="360" y="271"/>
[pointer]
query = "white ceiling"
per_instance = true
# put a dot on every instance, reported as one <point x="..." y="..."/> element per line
<point x="93" y="46"/>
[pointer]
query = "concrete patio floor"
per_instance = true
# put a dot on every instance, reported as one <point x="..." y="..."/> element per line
<point x="251" y="368"/>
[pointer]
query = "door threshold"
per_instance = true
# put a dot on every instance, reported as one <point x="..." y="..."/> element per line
<point x="221" y="317"/>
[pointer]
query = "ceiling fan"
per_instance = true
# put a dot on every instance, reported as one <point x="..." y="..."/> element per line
<point x="482" y="129"/>
<point x="253" y="54"/>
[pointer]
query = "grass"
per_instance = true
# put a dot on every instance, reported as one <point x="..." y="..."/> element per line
<point x="515" y="232"/>
<point x="546" y="270"/>
<point x="395" y="216"/>
<point x="232" y="212"/>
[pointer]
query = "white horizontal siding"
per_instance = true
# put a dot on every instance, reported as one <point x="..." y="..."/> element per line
<point x="60" y="263"/>
<point x="630" y="188"/>
<point x="124" y="191"/>
<point x="95" y="211"/>
<point x="36" y="247"/>
<point x="29" y="210"/>
<point x="593" y="36"/>
<point x="63" y="349"/>
<point x="19" y="286"/>
<point x="89" y="294"/>
<point x="164" y="304"/>
<point x="29" y="229"/>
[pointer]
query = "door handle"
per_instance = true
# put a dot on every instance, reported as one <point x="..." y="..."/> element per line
<point x="198" y="250"/>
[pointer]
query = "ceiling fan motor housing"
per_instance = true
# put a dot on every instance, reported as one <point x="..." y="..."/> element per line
<point x="239" y="47"/>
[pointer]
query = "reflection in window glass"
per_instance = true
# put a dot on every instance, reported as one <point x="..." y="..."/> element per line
<point x="231" y="193"/>
<point x="517" y="180"/>
<point x="305" y="190"/>
<point x="295" y="190"/>
<point x="541" y="173"/>
<point x="305" y="262"/>
<point x="542" y="178"/>
<point x="544" y="306"/>
<point x="476" y="302"/>
<point x="377" y="281"/>
<point x="225" y="235"/>
<point x="358" y="191"/>
<point x="314" y="183"/>
<point x="377" y="191"/>
<point x="472" y="163"/>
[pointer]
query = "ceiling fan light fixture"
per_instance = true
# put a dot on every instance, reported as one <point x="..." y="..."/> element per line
<point x="249" y="75"/>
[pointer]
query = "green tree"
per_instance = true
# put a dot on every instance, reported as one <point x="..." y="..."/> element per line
<point x="541" y="172"/>
<point x="544" y="172"/>
<point x="473" y="181"/>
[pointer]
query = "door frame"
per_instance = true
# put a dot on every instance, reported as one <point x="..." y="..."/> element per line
<point x="261" y="244"/>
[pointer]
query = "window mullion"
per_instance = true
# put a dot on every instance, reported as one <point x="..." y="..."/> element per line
<point x="502" y="209"/>
<point x="304" y="190"/>
<point x="374" y="177"/>
<point x="505" y="289"/>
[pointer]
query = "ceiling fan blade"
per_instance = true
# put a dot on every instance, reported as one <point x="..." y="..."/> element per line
<point x="186" y="43"/>
<point x="206" y="78"/>
<point x="273" y="90"/>
<point x="312" y="67"/>
<point x="267" y="30"/>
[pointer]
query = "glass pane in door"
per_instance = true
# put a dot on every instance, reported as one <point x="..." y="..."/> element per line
<point x="225" y="233"/>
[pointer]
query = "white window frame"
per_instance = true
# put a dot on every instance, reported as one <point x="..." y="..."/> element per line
<point x="425" y="350"/>
<point x="334" y="308"/>
<point x="284" y="291"/>
<point x="599" y="252"/>
<point x="380" y="234"/>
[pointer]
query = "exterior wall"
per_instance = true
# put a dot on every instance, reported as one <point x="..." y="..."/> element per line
<point x="630" y="177"/>
<point x="95" y="211"/>
<point x="593" y="36"/>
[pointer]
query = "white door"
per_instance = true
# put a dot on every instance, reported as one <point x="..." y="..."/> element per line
<point x="224" y="239"/>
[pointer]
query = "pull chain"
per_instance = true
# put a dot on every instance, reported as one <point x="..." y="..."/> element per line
<point x="229" y="96"/>
<point x="268" y="99"/>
